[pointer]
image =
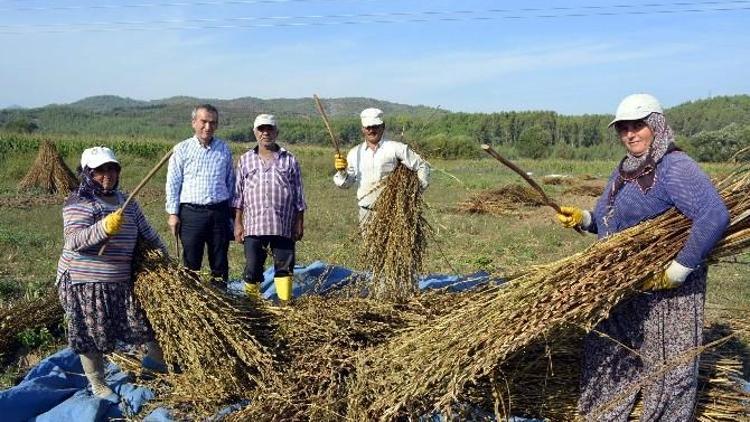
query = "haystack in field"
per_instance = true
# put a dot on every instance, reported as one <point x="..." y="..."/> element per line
<point x="394" y="237"/>
<point x="215" y="340"/>
<point x="558" y="179"/>
<point x="49" y="172"/>
<point x="433" y="366"/>
<point x="588" y="189"/>
<point x="506" y="200"/>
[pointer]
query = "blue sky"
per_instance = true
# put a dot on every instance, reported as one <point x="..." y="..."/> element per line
<point x="510" y="59"/>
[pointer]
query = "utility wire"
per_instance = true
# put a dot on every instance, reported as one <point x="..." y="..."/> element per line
<point x="367" y="18"/>
<point x="201" y="3"/>
<point x="153" y="5"/>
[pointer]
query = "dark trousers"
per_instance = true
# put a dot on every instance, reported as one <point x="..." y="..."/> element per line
<point x="206" y="226"/>
<point x="282" y="249"/>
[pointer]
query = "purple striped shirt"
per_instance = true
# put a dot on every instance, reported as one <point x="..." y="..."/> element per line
<point x="269" y="194"/>
<point x="679" y="183"/>
<point x="84" y="235"/>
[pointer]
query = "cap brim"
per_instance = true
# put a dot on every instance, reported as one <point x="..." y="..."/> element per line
<point x="628" y="118"/>
<point x="98" y="163"/>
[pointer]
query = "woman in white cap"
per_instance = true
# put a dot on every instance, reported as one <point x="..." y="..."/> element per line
<point x="96" y="291"/>
<point x="654" y="327"/>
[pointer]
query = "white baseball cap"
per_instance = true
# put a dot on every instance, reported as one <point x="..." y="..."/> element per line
<point x="96" y="156"/>
<point x="371" y="117"/>
<point x="264" y="119"/>
<point x="636" y="107"/>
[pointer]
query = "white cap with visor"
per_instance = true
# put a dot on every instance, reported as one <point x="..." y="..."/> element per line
<point x="636" y="107"/>
<point x="97" y="156"/>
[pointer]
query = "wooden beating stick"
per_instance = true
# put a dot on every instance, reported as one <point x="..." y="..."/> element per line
<point x="489" y="150"/>
<point x="325" y="120"/>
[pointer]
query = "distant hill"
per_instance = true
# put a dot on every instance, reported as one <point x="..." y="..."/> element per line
<point x="347" y="106"/>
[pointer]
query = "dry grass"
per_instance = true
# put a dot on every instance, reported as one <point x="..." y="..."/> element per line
<point x="394" y="237"/>
<point x="507" y="200"/>
<point x="432" y="367"/>
<point x="49" y="172"/>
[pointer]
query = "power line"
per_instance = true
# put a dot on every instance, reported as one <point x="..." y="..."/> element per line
<point x="152" y="5"/>
<point x="249" y="22"/>
<point x="201" y="3"/>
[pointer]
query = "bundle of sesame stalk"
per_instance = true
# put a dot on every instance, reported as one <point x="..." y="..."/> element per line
<point x="214" y="342"/>
<point x="394" y="237"/>
<point x="431" y="367"/>
<point x="543" y="382"/>
<point x="49" y="172"/>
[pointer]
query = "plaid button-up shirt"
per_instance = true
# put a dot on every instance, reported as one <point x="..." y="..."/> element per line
<point x="270" y="194"/>
<point x="199" y="175"/>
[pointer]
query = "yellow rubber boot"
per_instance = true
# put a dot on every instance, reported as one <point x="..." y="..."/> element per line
<point x="283" y="287"/>
<point x="252" y="290"/>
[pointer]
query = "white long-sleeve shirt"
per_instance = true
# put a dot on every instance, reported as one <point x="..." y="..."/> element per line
<point x="367" y="167"/>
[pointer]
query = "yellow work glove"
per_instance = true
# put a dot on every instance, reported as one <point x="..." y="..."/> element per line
<point x="570" y="216"/>
<point x="339" y="162"/>
<point x="671" y="278"/>
<point x="113" y="222"/>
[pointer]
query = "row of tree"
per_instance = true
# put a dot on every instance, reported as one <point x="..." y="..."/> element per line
<point x="711" y="130"/>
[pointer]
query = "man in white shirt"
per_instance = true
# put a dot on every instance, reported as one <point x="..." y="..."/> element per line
<point x="371" y="161"/>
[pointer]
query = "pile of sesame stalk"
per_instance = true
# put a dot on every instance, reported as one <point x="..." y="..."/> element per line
<point x="211" y="341"/>
<point x="506" y="200"/>
<point x="432" y="367"/>
<point x="49" y="172"/>
<point x="394" y="237"/>
<point x="543" y="381"/>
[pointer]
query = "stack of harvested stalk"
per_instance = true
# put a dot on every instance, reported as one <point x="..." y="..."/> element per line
<point x="214" y="341"/>
<point x="507" y="200"/>
<point x="42" y="312"/>
<point x="49" y="172"/>
<point x="588" y="189"/>
<point x="432" y="367"/>
<point x="394" y="237"/>
<point x="317" y="340"/>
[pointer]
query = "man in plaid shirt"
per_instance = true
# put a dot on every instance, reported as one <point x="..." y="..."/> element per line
<point x="269" y="208"/>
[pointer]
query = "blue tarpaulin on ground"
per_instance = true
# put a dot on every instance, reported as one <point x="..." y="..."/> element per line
<point x="56" y="388"/>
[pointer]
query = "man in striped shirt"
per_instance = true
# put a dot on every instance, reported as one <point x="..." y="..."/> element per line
<point x="200" y="182"/>
<point x="269" y="208"/>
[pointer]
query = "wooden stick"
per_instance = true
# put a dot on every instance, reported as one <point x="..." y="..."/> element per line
<point x="140" y="186"/>
<point x="489" y="150"/>
<point x="325" y="120"/>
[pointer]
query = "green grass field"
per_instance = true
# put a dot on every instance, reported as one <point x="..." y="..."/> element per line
<point x="31" y="223"/>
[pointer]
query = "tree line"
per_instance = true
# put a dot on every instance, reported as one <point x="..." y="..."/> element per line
<point x="710" y="130"/>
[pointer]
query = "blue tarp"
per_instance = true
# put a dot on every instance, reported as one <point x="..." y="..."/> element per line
<point x="56" y="389"/>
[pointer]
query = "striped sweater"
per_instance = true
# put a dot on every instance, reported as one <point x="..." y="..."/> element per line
<point x="84" y="235"/>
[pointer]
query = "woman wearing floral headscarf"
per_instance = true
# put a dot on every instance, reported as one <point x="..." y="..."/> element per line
<point x="95" y="290"/>
<point x="667" y="319"/>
